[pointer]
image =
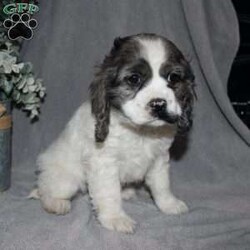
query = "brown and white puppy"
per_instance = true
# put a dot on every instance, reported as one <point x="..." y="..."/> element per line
<point x="141" y="96"/>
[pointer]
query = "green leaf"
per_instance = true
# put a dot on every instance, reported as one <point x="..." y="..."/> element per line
<point x="30" y="98"/>
<point x="32" y="88"/>
<point x="42" y="94"/>
<point x="16" y="78"/>
<point x="17" y="67"/>
<point x="27" y="68"/>
<point x="29" y="107"/>
<point x="21" y="84"/>
<point x="16" y="96"/>
<point x="25" y="89"/>
<point x="6" y="86"/>
<point x="30" y="80"/>
<point x="34" y="113"/>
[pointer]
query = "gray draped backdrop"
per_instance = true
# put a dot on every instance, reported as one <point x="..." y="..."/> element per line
<point x="210" y="168"/>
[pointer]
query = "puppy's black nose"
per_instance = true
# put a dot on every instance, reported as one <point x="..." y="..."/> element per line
<point x="158" y="104"/>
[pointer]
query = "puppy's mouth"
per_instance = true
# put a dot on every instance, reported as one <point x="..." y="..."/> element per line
<point x="169" y="118"/>
<point x="153" y="118"/>
<point x="165" y="116"/>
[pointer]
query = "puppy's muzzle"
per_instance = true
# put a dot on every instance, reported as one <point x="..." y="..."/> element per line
<point x="158" y="109"/>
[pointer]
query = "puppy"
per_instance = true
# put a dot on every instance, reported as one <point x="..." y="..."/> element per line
<point x="141" y="96"/>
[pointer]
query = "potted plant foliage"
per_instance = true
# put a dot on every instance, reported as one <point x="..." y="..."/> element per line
<point x="18" y="88"/>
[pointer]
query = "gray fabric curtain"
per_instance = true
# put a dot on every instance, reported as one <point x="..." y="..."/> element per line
<point x="210" y="168"/>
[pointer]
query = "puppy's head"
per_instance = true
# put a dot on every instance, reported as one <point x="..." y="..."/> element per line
<point x="148" y="80"/>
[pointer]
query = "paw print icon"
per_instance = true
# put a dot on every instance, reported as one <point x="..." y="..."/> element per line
<point x="20" y="26"/>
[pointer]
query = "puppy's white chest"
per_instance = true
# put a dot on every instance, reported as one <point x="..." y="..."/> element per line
<point x="136" y="158"/>
<point x="135" y="150"/>
<point x="133" y="169"/>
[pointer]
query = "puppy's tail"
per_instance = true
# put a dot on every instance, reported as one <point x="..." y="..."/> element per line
<point x="34" y="194"/>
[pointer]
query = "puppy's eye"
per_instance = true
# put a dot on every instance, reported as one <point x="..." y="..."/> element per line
<point x="134" y="79"/>
<point x="173" y="77"/>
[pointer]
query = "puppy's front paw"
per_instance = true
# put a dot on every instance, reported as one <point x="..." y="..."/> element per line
<point x="120" y="222"/>
<point x="173" y="206"/>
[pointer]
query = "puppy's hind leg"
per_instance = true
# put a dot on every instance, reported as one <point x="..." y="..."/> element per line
<point x="55" y="190"/>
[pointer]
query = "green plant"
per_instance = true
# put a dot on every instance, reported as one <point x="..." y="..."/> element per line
<point x="17" y="80"/>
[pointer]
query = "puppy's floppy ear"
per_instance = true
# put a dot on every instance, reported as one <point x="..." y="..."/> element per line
<point x="100" y="105"/>
<point x="187" y="97"/>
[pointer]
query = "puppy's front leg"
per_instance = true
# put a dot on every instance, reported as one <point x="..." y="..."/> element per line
<point x="158" y="181"/>
<point x="105" y="191"/>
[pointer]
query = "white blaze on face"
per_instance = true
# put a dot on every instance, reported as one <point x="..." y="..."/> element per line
<point x="154" y="52"/>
